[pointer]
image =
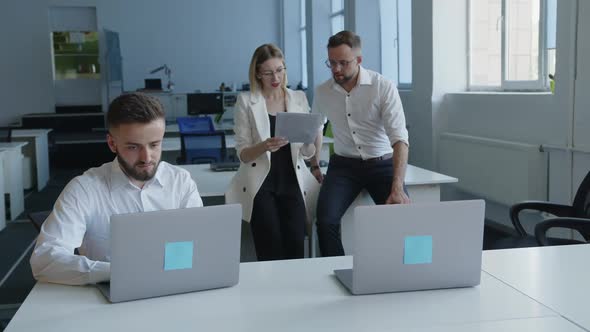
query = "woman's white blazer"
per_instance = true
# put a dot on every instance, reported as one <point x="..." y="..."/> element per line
<point x="252" y="126"/>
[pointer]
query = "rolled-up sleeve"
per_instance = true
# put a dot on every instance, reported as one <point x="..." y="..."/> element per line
<point x="53" y="259"/>
<point x="394" y="120"/>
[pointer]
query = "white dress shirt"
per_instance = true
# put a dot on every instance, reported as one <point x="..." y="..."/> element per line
<point x="368" y="120"/>
<point x="81" y="219"/>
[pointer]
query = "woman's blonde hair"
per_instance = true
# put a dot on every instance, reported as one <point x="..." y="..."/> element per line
<point x="261" y="54"/>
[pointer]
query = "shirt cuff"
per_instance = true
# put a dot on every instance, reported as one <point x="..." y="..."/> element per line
<point x="100" y="272"/>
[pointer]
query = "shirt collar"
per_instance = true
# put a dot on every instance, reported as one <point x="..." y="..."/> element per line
<point x="120" y="179"/>
<point x="364" y="77"/>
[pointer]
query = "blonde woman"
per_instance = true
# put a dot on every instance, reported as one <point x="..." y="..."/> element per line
<point x="277" y="191"/>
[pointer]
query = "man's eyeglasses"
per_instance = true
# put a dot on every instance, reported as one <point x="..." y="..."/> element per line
<point x="269" y="73"/>
<point x="341" y="63"/>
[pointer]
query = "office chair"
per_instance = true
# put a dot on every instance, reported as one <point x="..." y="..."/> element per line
<point x="37" y="218"/>
<point x="195" y="124"/>
<point x="579" y="209"/>
<point x="581" y="225"/>
<point x="5" y="134"/>
<point x="202" y="148"/>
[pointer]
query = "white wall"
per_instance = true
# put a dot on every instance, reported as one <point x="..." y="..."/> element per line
<point x="26" y="85"/>
<point x="204" y="42"/>
<point x="292" y="45"/>
<point x="581" y="118"/>
<point x="318" y="33"/>
<point x="367" y="25"/>
<point x="534" y="118"/>
<point x="417" y="101"/>
<point x="449" y="62"/>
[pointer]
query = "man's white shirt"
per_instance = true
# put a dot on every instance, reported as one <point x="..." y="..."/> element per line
<point x="81" y="219"/>
<point x="366" y="121"/>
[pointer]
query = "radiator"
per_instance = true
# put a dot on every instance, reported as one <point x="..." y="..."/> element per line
<point x="501" y="171"/>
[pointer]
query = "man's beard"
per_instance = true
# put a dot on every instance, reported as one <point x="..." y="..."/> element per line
<point x="135" y="174"/>
<point x="343" y="80"/>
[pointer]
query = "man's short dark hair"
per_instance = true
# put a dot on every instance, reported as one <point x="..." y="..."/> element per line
<point x="134" y="107"/>
<point x="345" y="38"/>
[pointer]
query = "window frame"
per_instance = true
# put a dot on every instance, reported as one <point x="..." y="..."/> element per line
<point x="395" y="72"/>
<point x="303" y="42"/>
<point x="336" y="14"/>
<point x="400" y="85"/>
<point x="539" y="85"/>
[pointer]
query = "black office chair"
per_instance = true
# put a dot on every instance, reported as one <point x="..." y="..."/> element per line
<point x="5" y="134"/>
<point x="202" y="148"/>
<point x="37" y="218"/>
<point x="581" y="225"/>
<point x="579" y="209"/>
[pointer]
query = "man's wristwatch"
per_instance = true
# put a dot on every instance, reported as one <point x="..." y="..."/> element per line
<point x="314" y="167"/>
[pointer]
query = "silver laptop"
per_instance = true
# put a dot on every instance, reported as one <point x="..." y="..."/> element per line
<point x="415" y="247"/>
<point x="173" y="251"/>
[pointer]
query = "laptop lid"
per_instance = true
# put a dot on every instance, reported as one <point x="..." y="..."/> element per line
<point x="174" y="251"/>
<point x="417" y="246"/>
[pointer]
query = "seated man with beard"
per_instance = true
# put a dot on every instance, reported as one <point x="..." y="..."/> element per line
<point x="136" y="181"/>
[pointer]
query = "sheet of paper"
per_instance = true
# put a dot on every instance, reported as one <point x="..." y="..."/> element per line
<point x="298" y="127"/>
<point x="178" y="255"/>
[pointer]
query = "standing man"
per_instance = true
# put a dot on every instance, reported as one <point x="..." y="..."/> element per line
<point x="370" y="139"/>
<point x="136" y="181"/>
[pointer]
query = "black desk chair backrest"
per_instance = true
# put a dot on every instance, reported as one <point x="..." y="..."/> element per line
<point x="579" y="209"/>
<point x="582" y="199"/>
<point x="38" y="218"/>
<point x="5" y="134"/>
<point x="202" y="148"/>
<point x="581" y="225"/>
<point x="195" y="124"/>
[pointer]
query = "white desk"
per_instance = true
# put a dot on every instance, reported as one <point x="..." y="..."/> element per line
<point x="13" y="176"/>
<point x="37" y="150"/>
<point x="209" y="183"/>
<point x="295" y="295"/>
<point x="423" y="186"/>
<point x="556" y="276"/>
<point x="173" y="144"/>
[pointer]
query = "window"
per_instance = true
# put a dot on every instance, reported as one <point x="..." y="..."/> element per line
<point x="75" y="55"/>
<point x="303" y="43"/>
<point x="511" y="44"/>
<point x="396" y="41"/>
<point x="337" y="16"/>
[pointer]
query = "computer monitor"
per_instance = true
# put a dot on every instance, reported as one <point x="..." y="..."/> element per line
<point x="204" y="103"/>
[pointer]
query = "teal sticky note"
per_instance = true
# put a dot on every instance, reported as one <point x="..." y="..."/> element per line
<point x="418" y="249"/>
<point x="178" y="255"/>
